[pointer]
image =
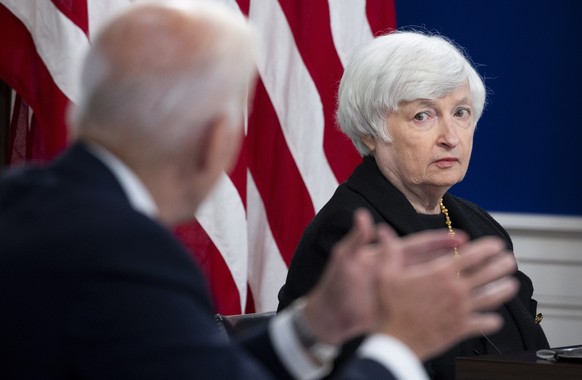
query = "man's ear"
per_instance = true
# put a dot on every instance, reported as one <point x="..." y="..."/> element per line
<point x="218" y="145"/>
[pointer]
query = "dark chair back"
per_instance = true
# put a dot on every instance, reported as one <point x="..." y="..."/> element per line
<point x="233" y="325"/>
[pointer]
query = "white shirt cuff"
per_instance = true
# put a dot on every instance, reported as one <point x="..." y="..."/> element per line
<point x="394" y="355"/>
<point x="290" y="351"/>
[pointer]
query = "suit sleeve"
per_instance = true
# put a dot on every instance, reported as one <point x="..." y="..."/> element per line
<point x="380" y="356"/>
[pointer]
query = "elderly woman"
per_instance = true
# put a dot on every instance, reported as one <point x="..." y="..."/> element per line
<point x="410" y="103"/>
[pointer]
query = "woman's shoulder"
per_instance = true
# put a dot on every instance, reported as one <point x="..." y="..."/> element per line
<point x="470" y="209"/>
<point x="476" y="219"/>
<point x="336" y="216"/>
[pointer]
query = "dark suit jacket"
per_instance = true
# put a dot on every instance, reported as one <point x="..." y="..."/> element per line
<point x="368" y="188"/>
<point x="91" y="288"/>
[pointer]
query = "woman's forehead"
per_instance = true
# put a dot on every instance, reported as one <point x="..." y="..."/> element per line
<point x="460" y="95"/>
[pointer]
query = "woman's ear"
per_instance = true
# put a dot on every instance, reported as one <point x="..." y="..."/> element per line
<point x="370" y="142"/>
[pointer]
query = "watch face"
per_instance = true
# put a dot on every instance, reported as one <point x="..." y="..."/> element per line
<point x="324" y="352"/>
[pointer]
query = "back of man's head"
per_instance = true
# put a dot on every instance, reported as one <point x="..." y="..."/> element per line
<point x="161" y="71"/>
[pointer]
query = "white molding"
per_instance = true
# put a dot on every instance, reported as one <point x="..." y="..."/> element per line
<point x="539" y="222"/>
<point x="557" y="301"/>
<point x="548" y="249"/>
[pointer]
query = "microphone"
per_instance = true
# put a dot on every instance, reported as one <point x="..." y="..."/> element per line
<point x="491" y="343"/>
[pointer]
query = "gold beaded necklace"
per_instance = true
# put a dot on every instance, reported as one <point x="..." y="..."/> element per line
<point x="445" y="212"/>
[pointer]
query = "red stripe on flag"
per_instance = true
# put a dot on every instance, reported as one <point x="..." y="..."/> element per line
<point x="244" y="6"/>
<point x="26" y="139"/>
<point x="381" y="16"/>
<point x="222" y="287"/>
<point x="76" y="11"/>
<point x="18" y="152"/>
<point x="310" y="24"/>
<point x="287" y="203"/>
<point x="26" y="73"/>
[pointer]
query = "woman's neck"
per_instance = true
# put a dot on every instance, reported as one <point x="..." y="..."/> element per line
<point x="425" y="200"/>
<point x="423" y="205"/>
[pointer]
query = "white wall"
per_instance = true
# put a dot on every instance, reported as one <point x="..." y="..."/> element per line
<point x="549" y="250"/>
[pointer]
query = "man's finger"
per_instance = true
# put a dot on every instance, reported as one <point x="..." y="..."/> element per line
<point x="497" y="266"/>
<point x="482" y="323"/>
<point x="362" y="232"/>
<point x="390" y="248"/>
<point x="494" y="294"/>
<point x="432" y="241"/>
<point x="476" y="253"/>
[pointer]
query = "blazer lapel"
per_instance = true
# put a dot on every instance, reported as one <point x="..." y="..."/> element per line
<point x="388" y="202"/>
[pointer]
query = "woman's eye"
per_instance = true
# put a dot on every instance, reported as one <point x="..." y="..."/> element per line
<point x="463" y="112"/>
<point x="421" y="116"/>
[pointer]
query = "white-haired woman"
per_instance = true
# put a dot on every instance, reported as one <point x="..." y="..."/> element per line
<point x="410" y="103"/>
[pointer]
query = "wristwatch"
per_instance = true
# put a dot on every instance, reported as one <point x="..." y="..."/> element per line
<point x="322" y="352"/>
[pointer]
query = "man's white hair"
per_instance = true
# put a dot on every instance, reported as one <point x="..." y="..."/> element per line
<point x="175" y="88"/>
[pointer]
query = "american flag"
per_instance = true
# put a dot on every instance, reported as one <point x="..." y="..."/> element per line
<point x="293" y="156"/>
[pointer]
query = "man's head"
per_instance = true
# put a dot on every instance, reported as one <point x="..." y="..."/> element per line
<point x="161" y="80"/>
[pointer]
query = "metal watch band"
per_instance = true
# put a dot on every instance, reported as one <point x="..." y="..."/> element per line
<point x="322" y="352"/>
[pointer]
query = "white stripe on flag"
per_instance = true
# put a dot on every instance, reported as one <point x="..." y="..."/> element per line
<point x="294" y="97"/>
<point x="223" y="217"/>
<point x="267" y="270"/>
<point x="349" y="26"/>
<point x="59" y="41"/>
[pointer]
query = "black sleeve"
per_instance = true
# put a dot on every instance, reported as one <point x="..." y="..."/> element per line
<point x="525" y="296"/>
<point x="481" y="223"/>
<point x="312" y="253"/>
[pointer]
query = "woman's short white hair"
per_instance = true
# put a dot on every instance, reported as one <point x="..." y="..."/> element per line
<point x="396" y="67"/>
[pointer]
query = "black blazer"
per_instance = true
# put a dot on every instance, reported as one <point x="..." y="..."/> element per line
<point x="91" y="288"/>
<point x="368" y="188"/>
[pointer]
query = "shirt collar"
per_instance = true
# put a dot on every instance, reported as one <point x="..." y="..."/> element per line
<point x="137" y="193"/>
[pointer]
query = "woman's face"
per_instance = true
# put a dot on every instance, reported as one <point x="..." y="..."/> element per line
<point x="431" y="143"/>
